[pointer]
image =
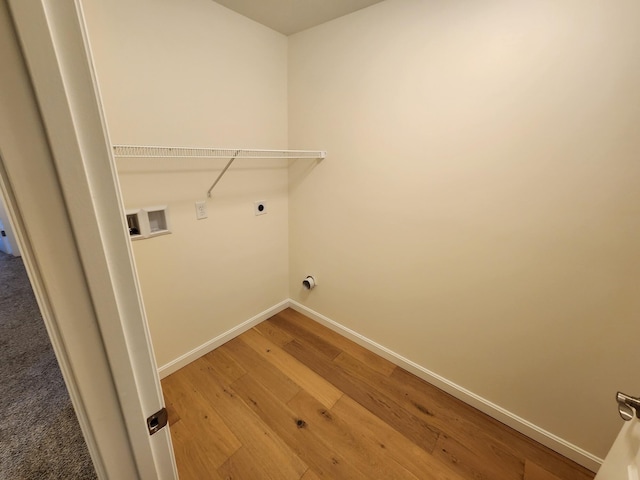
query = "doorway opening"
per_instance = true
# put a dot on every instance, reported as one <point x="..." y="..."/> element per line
<point x="40" y="434"/>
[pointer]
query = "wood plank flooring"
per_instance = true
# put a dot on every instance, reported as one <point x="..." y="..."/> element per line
<point x="291" y="399"/>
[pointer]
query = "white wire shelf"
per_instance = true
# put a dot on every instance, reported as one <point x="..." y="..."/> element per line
<point x="146" y="151"/>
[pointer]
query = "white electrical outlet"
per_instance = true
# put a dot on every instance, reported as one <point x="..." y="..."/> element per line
<point x="201" y="210"/>
<point x="260" y="207"/>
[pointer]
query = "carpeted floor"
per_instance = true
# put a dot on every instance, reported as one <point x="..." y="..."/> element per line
<point x="39" y="434"/>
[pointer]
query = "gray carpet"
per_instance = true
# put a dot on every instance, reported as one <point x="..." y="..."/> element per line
<point x="39" y="433"/>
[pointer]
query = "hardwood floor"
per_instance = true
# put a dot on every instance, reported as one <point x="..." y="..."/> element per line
<point x="291" y="399"/>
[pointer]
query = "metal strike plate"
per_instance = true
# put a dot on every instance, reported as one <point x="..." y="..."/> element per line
<point x="157" y="421"/>
<point x="628" y="406"/>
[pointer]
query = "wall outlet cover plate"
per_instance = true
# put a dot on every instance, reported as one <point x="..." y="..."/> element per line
<point x="201" y="210"/>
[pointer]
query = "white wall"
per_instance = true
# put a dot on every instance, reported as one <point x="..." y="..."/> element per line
<point x="192" y="73"/>
<point x="478" y="211"/>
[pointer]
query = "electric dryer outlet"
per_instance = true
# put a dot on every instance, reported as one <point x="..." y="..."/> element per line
<point x="260" y="207"/>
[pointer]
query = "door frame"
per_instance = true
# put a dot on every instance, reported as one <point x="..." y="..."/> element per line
<point x="60" y="186"/>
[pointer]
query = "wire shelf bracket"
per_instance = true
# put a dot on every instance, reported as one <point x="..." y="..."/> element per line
<point x="143" y="151"/>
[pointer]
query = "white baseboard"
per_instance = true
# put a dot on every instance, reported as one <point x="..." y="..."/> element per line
<point x="523" y="426"/>
<point x="183" y="360"/>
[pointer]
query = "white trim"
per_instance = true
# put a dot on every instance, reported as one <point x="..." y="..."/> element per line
<point x="34" y="198"/>
<point x="51" y="323"/>
<point x="187" y="358"/>
<point x="55" y="47"/>
<point x="523" y="426"/>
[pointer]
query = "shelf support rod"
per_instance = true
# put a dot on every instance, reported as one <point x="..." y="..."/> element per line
<point x="224" y="170"/>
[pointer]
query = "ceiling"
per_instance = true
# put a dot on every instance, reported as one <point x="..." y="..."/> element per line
<point x="292" y="16"/>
